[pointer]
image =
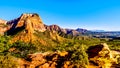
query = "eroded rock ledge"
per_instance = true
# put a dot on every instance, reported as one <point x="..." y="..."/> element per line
<point x="46" y="60"/>
<point x="102" y="57"/>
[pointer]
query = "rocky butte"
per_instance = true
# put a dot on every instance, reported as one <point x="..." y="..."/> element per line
<point x="27" y="28"/>
<point x="30" y="22"/>
<point x="26" y="25"/>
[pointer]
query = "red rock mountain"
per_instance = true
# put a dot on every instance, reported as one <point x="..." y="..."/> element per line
<point x="73" y="32"/>
<point x="24" y="27"/>
<point x="30" y="28"/>
<point x="30" y="22"/>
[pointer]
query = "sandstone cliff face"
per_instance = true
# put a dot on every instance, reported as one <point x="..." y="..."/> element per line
<point x="72" y="32"/>
<point x="55" y="28"/>
<point x="3" y="26"/>
<point x="3" y="21"/>
<point x="102" y="56"/>
<point x="30" y="28"/>
<point x="30" y="22"/>
<point x="25" y="26"/>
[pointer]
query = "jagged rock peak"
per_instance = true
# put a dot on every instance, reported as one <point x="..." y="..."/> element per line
<point x="35" y="20"/>
<point x="27" y="21"/>
<point x="24" y="15"/>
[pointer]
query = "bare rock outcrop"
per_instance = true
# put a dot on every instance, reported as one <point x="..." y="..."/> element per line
<point x="3" y="21"/>
<point x="3" y="26"/>
<point x="72" y="32"/>
<point x="25" y="26"/>
<point x="102" y="56"/>
<point x="30" y="22"/>
<point x="46" y="60"/>
<point x="55" y="28"/>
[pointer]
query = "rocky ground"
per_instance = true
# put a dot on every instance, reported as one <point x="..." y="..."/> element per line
<point x="100" y="56"/>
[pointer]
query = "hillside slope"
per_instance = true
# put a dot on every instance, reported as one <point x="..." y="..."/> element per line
<point x="30" y="28"/>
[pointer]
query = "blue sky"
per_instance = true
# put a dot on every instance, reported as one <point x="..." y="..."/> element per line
<point x="88" y="14"/>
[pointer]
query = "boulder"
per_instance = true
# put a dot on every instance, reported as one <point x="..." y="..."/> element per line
<point x="102" y="56"/>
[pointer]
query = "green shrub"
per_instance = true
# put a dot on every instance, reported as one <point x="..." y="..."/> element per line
<point x="22" y="49"/>
<point x="4" y="43"/>
<point x="8" y="61"/>
<point x="77" y="53"/>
